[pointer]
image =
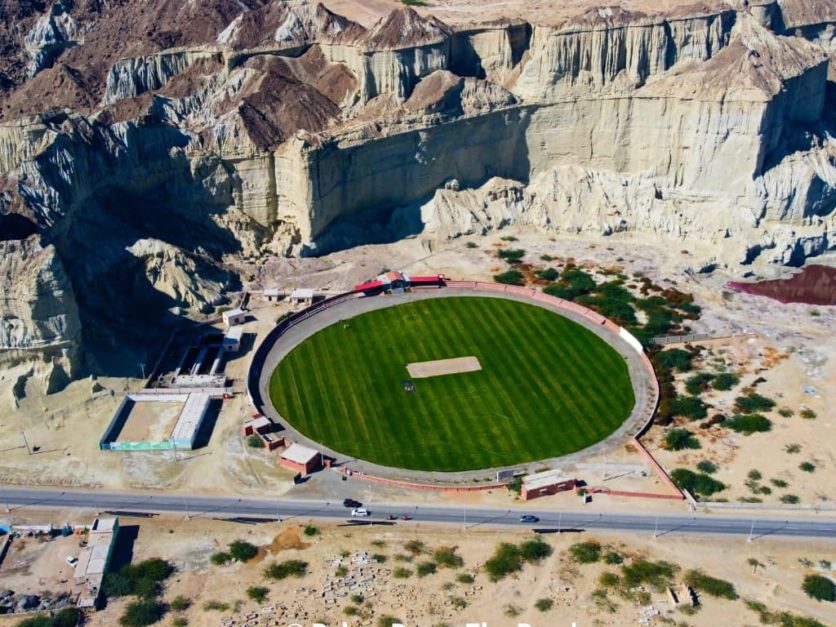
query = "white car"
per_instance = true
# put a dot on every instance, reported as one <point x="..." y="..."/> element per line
<point x="359" y="511"/>
<point x="72" y="561"/>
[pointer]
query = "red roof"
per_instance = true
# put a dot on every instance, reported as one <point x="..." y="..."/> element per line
<point x="424" y="279"/>
<point x="370" y="285"/>
<point x="394" y="275"/>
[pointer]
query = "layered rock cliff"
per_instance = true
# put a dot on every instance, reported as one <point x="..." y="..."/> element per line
<point x="152" y="145"/>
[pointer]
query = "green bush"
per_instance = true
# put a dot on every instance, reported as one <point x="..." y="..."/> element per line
<point x="465" y="578"/>
<point x="388" y="621"/>
<point x="549" y="274"/>
<point x="511" y="277"/>
<point x="511" y="255"/>
<point x="573" y="283"/>
<point x="180" y="604"/>
<point x="609" y="580"/>
<point x="680" y="439"/>
<point x="724" y="381"/>
<point x="698" y="580"/>
<point x="752" y="403"/>
<point x="258" y="593"/>
<point x="699" y="484"/>
<point x="142" y="612"/>
<point x="696" y="384"/>
<point x="779" y="483"/>
<point x="675" y="359"/>
<point x="786" y="412"/>
<point x="613" y="558"/>
<point x="67" y="617"/>
<point x="242" y="551"/>
<point x="749" y="424"/>
<point x="784" y="619"/>
<point x="819" y="588"/>
<point x="807" y="414"/>
<point x="447" y="557"/>
<point x="288" y="568"/>
<point x="215" y="606"/>
<point x="807" y="466"/>
<point x="535" y="550"/>
<point x="472" y="245"/>
<point x="311" y="531"/>
<point x="380" y="558"/>
<point x="688" y="406"/>
<point x="416" y="547"/>
<point x="586" y="552"/>
<point x="790" y="499"/>
<point x="656" y="574"/>
<point x="401" y="573"/>
<point x="425" y="568"/>
<point x="142" y="579"/>
<point x="544" y="605"/>
<point x="255" y="442"/>
<point x="706" y="466"/>
<point x="505" y="560"/>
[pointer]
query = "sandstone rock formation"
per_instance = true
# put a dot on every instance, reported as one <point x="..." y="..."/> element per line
<point x="146" y="147"/>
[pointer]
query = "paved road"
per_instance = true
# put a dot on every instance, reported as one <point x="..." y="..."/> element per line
<point x="18" y="500"/>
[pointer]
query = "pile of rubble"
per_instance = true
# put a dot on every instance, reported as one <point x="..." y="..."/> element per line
<point x="11" y="603"/>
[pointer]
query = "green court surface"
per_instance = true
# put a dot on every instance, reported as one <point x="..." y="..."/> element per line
<point x="547" y="387"/>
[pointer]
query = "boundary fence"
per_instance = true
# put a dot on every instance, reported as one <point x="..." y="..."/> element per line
<point x="595" y="318"/>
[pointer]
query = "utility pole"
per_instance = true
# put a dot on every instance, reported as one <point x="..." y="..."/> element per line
<point x="25" y="442"/>
<point x="188" y="514"/>
<point x="142" y="367"/>
<point x="751" y="532"/>
<point x="656" y="528"/>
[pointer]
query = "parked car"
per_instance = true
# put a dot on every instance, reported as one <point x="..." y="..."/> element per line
<point x="528" y="518"/>
<point x="72" y="561"/>
<point x="359" y="512"/>
<point x="352" y="503"/>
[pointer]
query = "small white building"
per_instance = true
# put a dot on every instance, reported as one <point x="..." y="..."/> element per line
<point x="302" y="296"/>
<point x="271" y="294"/>
<point x="234" y="317"/>
<point x="232" y="339"/>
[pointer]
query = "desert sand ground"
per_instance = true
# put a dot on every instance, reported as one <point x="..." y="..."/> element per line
<point x="67" y="426"/>
<point x="436" y="599"/>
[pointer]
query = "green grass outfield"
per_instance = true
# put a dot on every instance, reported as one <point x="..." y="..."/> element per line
<point x="547" y="387"/>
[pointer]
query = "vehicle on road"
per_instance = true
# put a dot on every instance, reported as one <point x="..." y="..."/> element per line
<point x="359" y="512"/>
<point x="406" y="517"/>
<point x="528" y="518"/>
<point x="352" y="503"/>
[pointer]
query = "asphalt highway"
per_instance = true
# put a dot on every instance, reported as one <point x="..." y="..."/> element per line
<point x="19" y="500"/>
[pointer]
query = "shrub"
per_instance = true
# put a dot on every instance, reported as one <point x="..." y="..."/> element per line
<point x="505" y="560"/>
<point x="426" y="568"/>
<point x="656" y="574"/>
<point x="549" y="274"/>
<point x="785" y="412"/>
<point x="215" y="606"/>
<point x="142" y="579"/>
<point x="311" y="531"/>
<point x="350" y="610"/>
<point x="242" y="551"/>
<point x="792" y="448"/>
<point x="725" y="381"/>
<point x="512" y="611"/>
<point x="819" y="588"/>
<point x="613" y="558"/>
<point x="573" y="283"/>
<point x="511" y="277"/>
<point x="755" y="475"/>
<point x="546" y="257"/>
<point x="341" y="571"/>
<point x="544" y="605"/>
<point x="388" y="621"/>
<point x="586" y="552"/>
<point x="509" y="238"/>
<point x="142" y="612"/>
<point x="67" y="617"/>
<point x="180" y="604"/>
<point x="401" y="573"/>
<point x="220" y="558"/>
<point x="749" y="424"/>
<point x="698" y="383"/>
<point x="675" y="359"/>
<point x="695" y="483"/>
<point x="679" y="439"/>
<point x="472" y="245"/>
<point x="180" y="621"/>
<point x="706" y="466"/>
<point x="609" y="580"/>
<point x="534" y="550"/>
<point x="807" y="466"/>
<point x="416" y="547"/>
<point x="752" y="403"/>
<point x="511" y="255"/>
<point x="447" y="557"/>
<point x="689" y="406"/>
<point x="465" y="578"/>
<point x="790" y="499"/>
<point x="254" y="441"/>
<point x="257" y="593"/>
<point x="779" y="483"/>
<point x="289" y="568"/>
<point x="698" y="580"/>
<point x="807" y="414"/>
<point x="380" y="558"/>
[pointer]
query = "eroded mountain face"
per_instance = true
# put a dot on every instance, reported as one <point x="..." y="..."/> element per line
<point x="146" y="145"/>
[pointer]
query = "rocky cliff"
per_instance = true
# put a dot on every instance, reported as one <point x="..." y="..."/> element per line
<point x="150" y="146"/>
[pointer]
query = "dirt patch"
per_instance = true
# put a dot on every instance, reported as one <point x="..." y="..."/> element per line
<point x="287" y="539"/>
<point x="441" y="367"/>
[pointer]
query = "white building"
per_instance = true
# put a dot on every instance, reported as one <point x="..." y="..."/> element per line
<point x="234" y="317"/>
<point x="302" y="296"/>
<point x="232" y="339"/>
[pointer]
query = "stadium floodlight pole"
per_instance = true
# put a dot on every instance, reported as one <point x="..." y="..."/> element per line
<point x="751" y="532"/>
<point x="142" y="367"/>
